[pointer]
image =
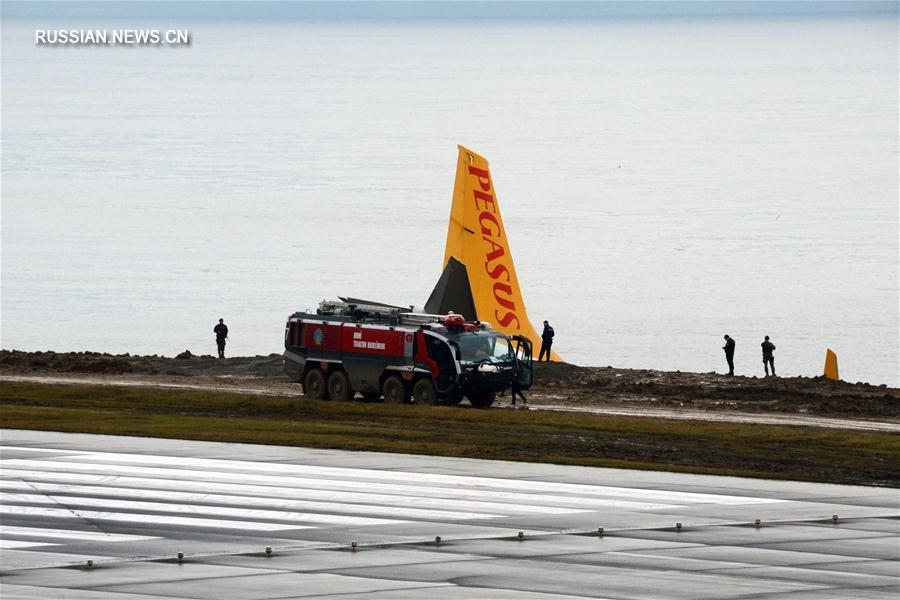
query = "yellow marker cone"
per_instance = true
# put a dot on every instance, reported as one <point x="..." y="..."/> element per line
<point x="477" y="238"/>
<point x="831" y="368"/>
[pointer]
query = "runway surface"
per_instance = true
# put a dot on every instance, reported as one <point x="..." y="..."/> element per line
<point x="131" y="504"/>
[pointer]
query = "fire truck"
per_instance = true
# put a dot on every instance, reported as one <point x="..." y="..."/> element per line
<point x="382" y="351"/>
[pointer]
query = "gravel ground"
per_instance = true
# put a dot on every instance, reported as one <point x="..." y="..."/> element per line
<point x="556" y="385"/>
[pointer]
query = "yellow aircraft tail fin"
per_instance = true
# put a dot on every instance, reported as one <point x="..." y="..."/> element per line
<point x="476" y="237"/>
<point x="831" y="368"/>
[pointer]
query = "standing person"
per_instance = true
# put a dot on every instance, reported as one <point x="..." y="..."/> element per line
<point x="517" y="391"/>
<point x="221" y="331"/>
<point x="729" y="354"/>
<point x="768" y="350"/>
<point x="546" y="341"/>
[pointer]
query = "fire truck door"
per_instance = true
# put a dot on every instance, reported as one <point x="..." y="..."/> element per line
<point x="440" y="352"/>
<point x="523" y="361"/>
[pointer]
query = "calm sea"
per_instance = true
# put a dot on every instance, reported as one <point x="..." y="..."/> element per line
<point x="663" y="182"/>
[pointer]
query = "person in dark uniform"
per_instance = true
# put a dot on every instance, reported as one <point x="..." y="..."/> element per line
<point x="221" y="331"/>
<point x="729" y="354"/>
<point x="768" y="351"/>
<point x="546" y="341"/>
<point x="517" y="391"/>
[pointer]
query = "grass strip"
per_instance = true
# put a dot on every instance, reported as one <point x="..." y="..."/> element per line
<point x="801" y="453"/>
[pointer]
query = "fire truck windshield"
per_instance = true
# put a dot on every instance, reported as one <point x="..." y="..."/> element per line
<point x="480" y="347"/>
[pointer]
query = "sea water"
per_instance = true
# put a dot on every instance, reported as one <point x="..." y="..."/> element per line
<point x="663" y="182"/>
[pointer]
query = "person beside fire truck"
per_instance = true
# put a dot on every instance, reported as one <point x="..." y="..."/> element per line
<point x="546" y="341"/>
<point x="516" y="390"/>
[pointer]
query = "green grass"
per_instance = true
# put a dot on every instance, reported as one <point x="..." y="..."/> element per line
<point x="537" y="436"/>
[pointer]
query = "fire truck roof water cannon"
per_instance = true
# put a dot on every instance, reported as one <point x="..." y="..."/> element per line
<point x="378" y="350"/>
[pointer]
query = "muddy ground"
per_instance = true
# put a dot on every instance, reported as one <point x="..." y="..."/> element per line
<point x="555" y="384"/>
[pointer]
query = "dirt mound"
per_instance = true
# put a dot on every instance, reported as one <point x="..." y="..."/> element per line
<point x="186" y="363"/>
<point x="556" y="384"/>
<point x="562" y="375"/>
<point x="565" y="384"/>
<point x="816" y="395"/>
<point x="79" y="362"/>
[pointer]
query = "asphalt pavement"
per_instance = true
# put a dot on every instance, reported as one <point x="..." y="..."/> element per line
<point x="358" y="524"/>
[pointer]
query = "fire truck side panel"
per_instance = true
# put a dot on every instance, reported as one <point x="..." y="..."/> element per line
<point x="322" y="339"/>
<point x="372" y="340"/>
<point x="294" y="353"/>
<point x="365" y="351"/>
<point x="308" y="340"/>
<point x="368" y="350"/>
<point x="294" y="360"/>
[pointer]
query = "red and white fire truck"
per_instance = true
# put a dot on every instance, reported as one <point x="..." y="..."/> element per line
<point x="388" y="351"/>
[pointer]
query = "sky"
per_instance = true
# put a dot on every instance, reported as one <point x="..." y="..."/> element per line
<point x="430" y="9"/>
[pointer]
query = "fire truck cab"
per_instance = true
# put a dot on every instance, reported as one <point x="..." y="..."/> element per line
<point x="386" y="351"/>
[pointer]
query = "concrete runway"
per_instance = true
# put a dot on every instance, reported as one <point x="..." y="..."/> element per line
<point x="131" y="504"/>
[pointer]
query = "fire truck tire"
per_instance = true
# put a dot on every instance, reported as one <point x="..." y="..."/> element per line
<point x="424" y="392"/>
<point x="314" y="385"/>
<point x="394" y="390"/>
<point x="482" y="399"/>
<point x="339" y="387"/>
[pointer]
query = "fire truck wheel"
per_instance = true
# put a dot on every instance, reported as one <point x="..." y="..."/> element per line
<point x="339" y="387"/>
<point x="394" y="390"/>
<point x="424" y="392"/>
<point x="314" y="385"/>
<point x="482" y="399"/>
